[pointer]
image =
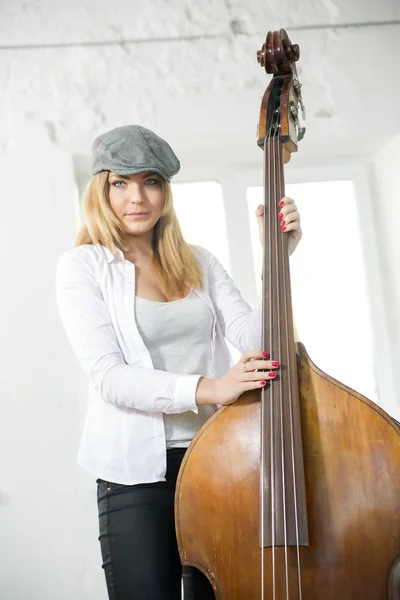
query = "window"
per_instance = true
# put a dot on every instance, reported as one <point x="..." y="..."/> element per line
<point x="329" y="291"/>
<point x="200" y="210"/>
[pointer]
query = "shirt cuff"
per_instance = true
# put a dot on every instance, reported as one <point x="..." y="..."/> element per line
<point x="185" y="393"/>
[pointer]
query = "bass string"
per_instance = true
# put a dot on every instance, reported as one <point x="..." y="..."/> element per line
<point x="278" y="195"/>
<point x="290" y="395"/>
<point x="272" y="233"/>
<point x="267" y="225"/>
<point x="267" y="240"/>
<point x="271" y="391"/>
<point x="270" y="190"/>
<point x="262" y="410"/>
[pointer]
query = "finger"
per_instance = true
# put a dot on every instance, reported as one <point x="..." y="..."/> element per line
<point x="254" y="365"/>
<point x="254" y="377"/>
<point x="286" y="200"/>
<point x="291" y="217"/>
<point x="260" y="210"/>
<point x="295" y="226"/>
<point x="252" y="385"/>
<point x="249" y="354"/>
<point x="287" y="210"/>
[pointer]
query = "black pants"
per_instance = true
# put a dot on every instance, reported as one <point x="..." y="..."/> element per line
<point x="138" y="541"/>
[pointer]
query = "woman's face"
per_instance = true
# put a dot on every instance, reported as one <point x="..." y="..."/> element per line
<point x="137" y="200"/>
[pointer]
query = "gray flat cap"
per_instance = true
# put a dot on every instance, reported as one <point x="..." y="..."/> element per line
<point x="133" y="149"/>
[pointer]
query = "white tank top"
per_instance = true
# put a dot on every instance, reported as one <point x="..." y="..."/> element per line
<point x="178" y="337"/>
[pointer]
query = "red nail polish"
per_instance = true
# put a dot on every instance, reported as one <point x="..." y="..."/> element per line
<point x="263" y="382"/>
<point x="276" y="364"/>
<point x="283" y="223"/>
<point x="281" y="203"/>
<point x="283" y="228"/>
<point x="266" y="354"/>
<point x="259" y="206"/>
<point x="280" y="216"/>
<point x="271" y="374"/>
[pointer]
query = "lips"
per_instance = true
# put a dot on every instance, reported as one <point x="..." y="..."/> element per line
<point x="137" y="213"/>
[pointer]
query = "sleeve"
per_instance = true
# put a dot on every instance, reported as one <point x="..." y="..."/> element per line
<point x="87" y="323"/>
<point x="240" y="324"/>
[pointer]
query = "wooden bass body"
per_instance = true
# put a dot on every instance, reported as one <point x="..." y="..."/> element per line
<point x="351" y="451"/>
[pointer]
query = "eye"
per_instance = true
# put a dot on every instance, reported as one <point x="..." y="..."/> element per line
<point x="114" y="183"/>
<point x="152" y="181"/>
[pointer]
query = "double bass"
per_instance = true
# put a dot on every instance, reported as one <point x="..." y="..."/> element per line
<point x="292" y="492"/>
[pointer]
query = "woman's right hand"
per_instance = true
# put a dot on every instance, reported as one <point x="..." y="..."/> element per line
<point x="251" y="372"/>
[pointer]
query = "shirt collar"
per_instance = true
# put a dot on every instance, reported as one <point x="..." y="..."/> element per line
<point x="109" y="255"/>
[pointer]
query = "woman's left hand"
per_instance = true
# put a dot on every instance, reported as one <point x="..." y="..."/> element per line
<point x="289" y="218"/>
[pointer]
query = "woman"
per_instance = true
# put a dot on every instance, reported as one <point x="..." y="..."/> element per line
<point x="146" y="315"/>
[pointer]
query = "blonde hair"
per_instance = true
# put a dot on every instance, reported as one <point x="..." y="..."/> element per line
<point x="174" y="262"/>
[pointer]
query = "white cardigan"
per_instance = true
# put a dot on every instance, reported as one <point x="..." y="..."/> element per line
<point x="123" y="439"/>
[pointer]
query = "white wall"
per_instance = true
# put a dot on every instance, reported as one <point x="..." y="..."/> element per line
<point x="48" y="521"/>
<point x="385" y="180"/>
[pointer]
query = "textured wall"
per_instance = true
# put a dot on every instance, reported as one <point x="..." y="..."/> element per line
<point x="68" y="72"/>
